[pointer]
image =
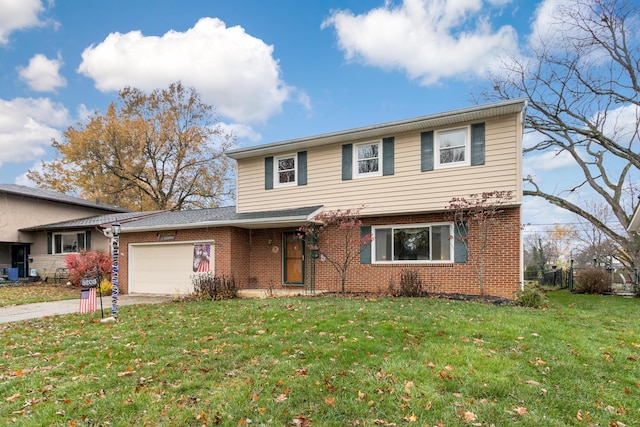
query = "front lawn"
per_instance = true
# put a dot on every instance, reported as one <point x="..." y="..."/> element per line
<point x="27" y="293"/>
<point x="328" y="361"/>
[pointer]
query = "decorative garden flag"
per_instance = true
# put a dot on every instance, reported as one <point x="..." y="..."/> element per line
<point x="201" y="257"/>
<point x="88" y="300"/>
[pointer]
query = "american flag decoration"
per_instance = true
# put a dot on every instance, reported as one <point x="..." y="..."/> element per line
<point x="88" y="300"/>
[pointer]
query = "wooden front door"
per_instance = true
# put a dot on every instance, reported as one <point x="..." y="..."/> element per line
<point x="293" y="259"/>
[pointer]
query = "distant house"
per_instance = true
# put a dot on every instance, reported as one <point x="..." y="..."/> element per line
<point x="403" y="172"/>
<point x="26" y="245"/>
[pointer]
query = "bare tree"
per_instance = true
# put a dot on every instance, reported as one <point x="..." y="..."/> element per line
<point x="595" y="247"/>
<point x="476" y="218"/>
<point x="335" y="236"/>
<point x="582" y="78"/>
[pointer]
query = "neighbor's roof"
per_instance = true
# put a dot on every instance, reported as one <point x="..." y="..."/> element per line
<point x="39" y="193"/>
<point x="220" y="217"/>
<point x="103" y="221"/>
<point x="480" y="112"/>
<point x="634" y="224"/>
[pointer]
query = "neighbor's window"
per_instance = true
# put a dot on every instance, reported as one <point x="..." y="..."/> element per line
<point x="413" y="243"/>
<point x="64" y="243"/>
<point x="285" y="172"/>
<point x="367" y="159"/>
<point x="452" y="147"/>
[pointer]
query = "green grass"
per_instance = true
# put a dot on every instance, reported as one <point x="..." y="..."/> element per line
<point x="28" y="293"/>
<point x="328" y="361"/>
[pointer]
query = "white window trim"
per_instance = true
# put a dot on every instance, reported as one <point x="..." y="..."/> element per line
<point x="355" y="167"/>
<point x="467" y="148"/>
<point x="276" y="174"/>
<point x="53" y="243"/>
<point x="451" y="259"/>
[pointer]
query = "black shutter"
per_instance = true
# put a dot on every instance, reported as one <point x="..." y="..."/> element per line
<point x="87" y="241"/>
<point x="460" y="252"/>
<point x="477" y="144"/>
<point x="365" y="251"/>
<point x="426" y="151"/>
<point x="49" y="242"/>
<point x="268" y="173"/>
<point x="347" y="161"/>
<point x="387" y="156"/>
<point x="302" y="168"/>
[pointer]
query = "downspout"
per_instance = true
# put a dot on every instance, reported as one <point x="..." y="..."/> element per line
<point x="521" y="266"/>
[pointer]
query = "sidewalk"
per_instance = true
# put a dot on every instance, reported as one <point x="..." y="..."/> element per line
<point x="17" y="313"/>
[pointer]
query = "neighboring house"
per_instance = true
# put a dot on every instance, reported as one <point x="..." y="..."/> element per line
<point x="26" y="246"/>
<point x="53" y="242"/>
<point x="404" y="173"/>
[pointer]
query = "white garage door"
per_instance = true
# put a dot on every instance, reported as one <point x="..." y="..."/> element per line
<point x="161" y="268"/>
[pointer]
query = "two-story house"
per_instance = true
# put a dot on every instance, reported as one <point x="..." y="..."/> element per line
<point x="402" y="173"/>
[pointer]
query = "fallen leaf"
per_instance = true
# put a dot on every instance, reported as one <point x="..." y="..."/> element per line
<point x="330" y="401"/>
<point x="12" y="397"/>
<point x="411" y="418"/>
<point x="281" y="398"/>
<point x="469" y="416"/>
<point x="301" y="421"/>
<point x="532" y="382"/>
<point x="520" y="411"/>
<point x="408" y="385"/>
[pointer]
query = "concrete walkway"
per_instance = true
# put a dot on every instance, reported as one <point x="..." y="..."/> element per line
<point x="17" y="313"/>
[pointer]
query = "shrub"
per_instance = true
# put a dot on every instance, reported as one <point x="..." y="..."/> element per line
<point x="411" y="284"/>
<point x="592" y="281"/>
<point x="84" y="264"/>
<point x="532" y="296"/>
<point x="105" y="287"/>
<point x="208" y="286"/>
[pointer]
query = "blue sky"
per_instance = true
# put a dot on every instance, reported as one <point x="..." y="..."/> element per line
<point x="274" y="70"/>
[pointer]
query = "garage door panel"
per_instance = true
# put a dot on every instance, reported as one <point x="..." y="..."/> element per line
<point x="161" y="269"/>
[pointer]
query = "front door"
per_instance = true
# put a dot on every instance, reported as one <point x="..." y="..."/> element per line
<point x="19" y="259"/>
<point x="293" y="259"/>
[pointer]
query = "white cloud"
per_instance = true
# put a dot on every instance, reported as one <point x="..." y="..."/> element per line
<point x="27" y="126"/>
<point x="17" y="15"/>
<point x="23" y="179"/>
<point x="241" y="132"/>
<point x="231" y="69"/>
<point x="43" y="74"/>
<point x="549" y="160"/>
<point x="551" y="28"/>
<point x="621" y="124"/>
<point x="428" y="39"/>
<point x="536" y="210"/>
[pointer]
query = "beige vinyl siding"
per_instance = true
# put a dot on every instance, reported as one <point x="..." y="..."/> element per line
<point x="408" y="190"/>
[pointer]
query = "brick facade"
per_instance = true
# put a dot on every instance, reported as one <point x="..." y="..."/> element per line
<point x="255" y="259"/>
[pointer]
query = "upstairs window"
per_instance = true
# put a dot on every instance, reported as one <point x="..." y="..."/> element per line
<point x="452" y="147"/>
<point x="366" y="159"/>
<point x="285" y="170"/>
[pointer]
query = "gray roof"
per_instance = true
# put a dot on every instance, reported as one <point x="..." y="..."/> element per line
<point x="219" y="217"/>
<point x="449" y="118"/>
<point x="103" y="221"/>
<point x="39" y="193"/>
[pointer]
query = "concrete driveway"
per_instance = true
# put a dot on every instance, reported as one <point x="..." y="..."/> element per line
<point x="17" y="313"/>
